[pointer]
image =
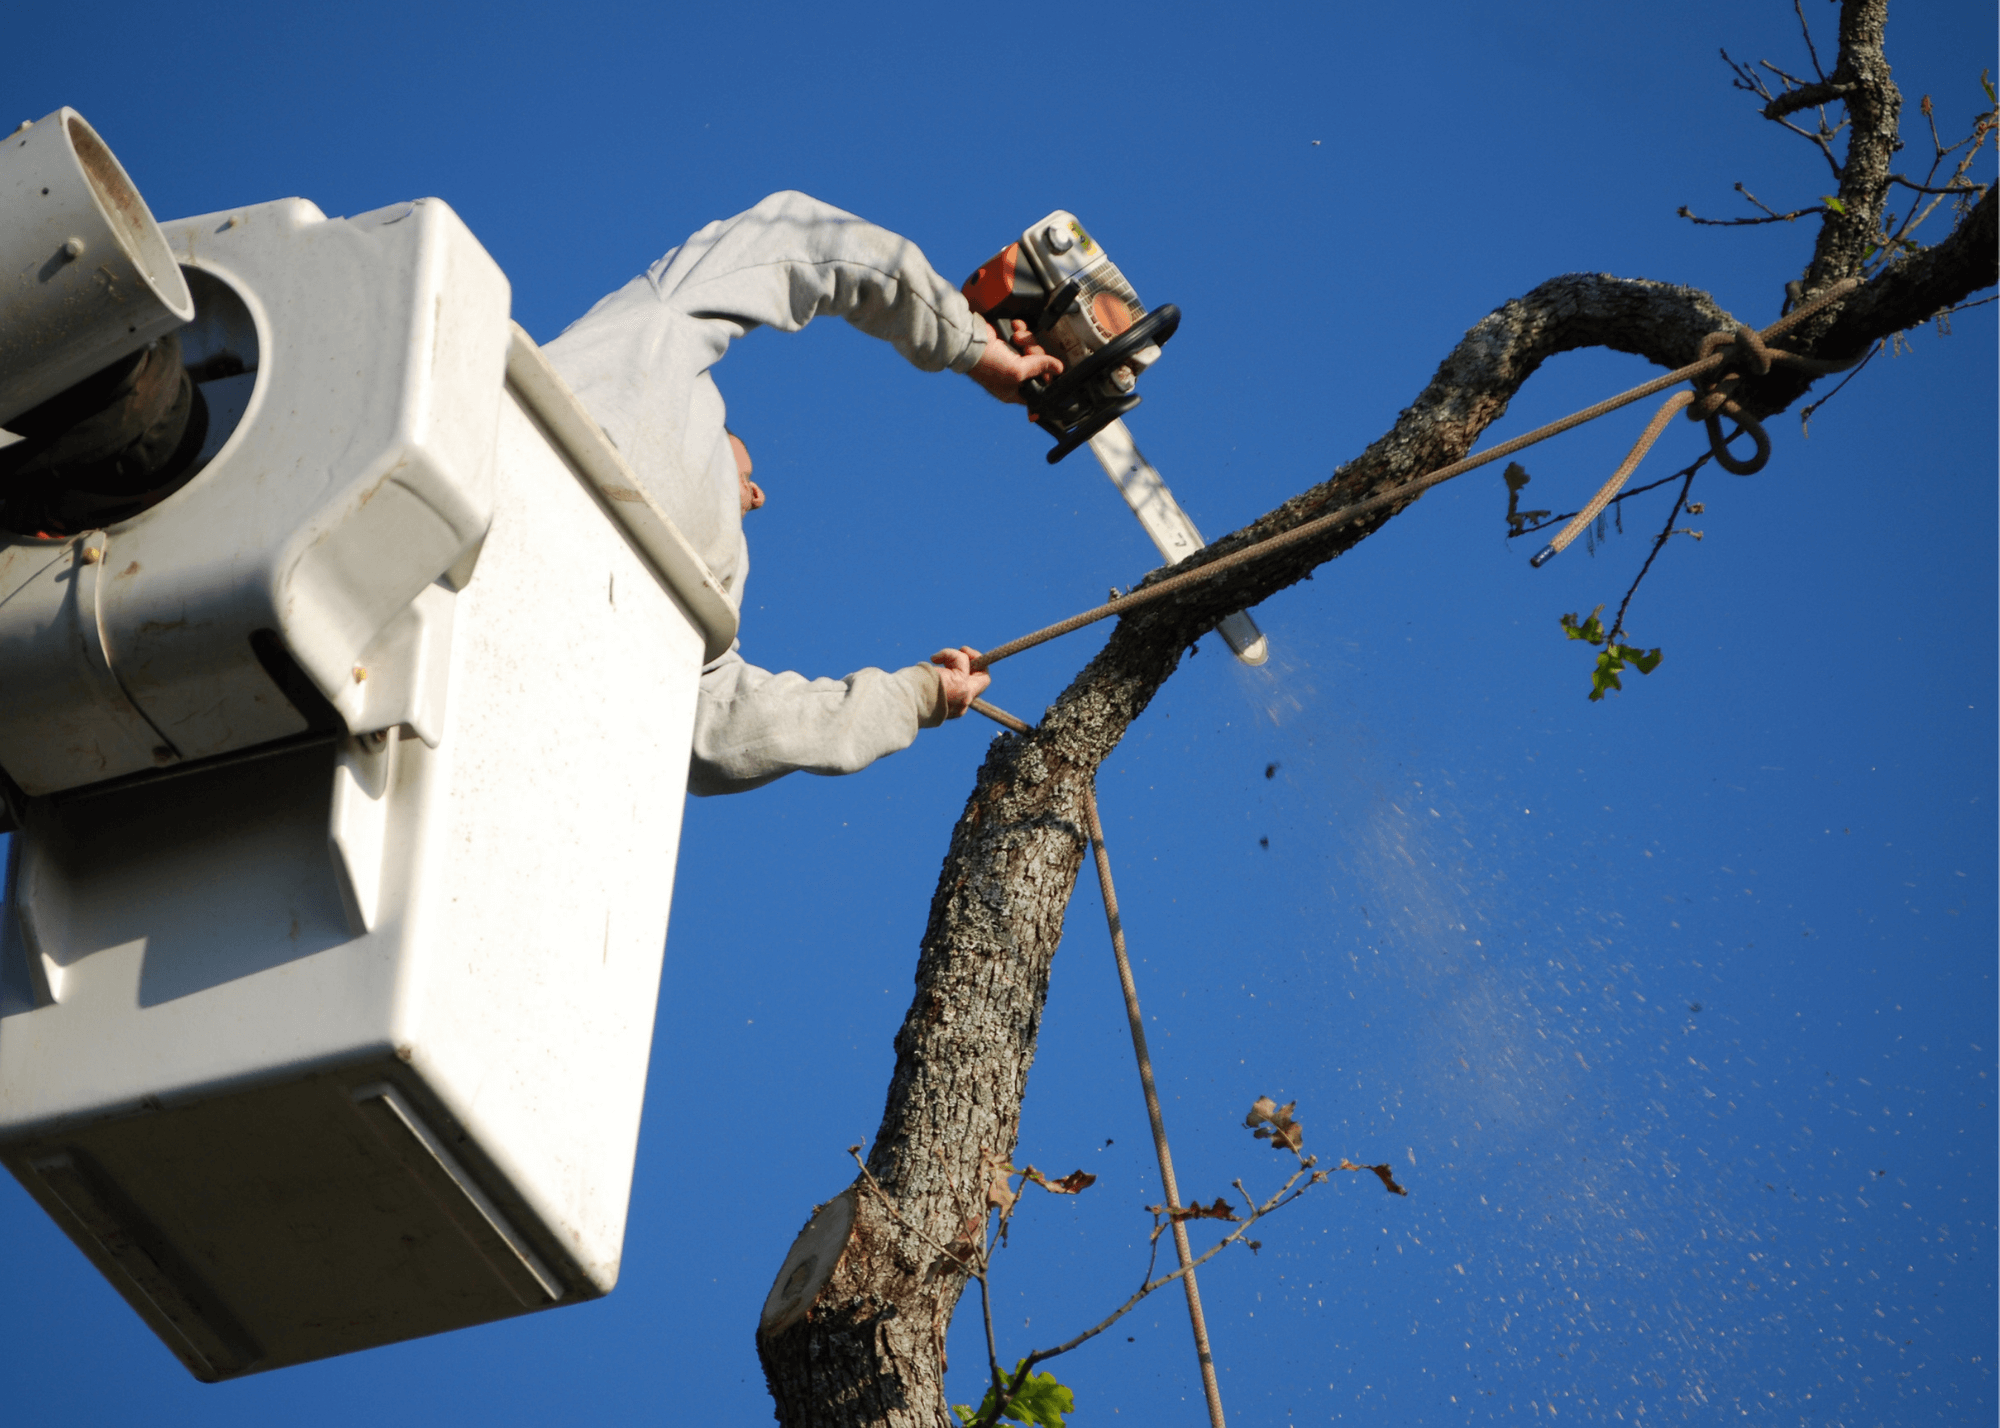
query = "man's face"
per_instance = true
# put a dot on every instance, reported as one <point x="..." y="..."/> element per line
<point x="752" y="493"/>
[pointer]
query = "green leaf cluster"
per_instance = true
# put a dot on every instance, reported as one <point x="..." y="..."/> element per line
<point x="1611" y="658"/>
<point x="1041" y="1401"/>
<point x="1591" y="629"/>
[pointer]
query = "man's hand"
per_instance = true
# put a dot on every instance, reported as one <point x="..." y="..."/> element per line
<point x="1002" y="367"/>
<point x="962" y="683"/>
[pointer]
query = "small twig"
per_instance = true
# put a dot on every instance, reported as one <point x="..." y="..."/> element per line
<point x="1568" y="516"/>
<point x="1152" y="1256"/>
<point x="1659" y="543"/>
<point x="1956" y="185"/>
<point x="1692" y="217"/>
<point x="1823" y="141"/>
<point x="1785" y="76"/>
<point x="1747" y="78"/>
<point x="1758" y="201"/>
<point x="889" y="1204"/>
<point x="1283" y="1196"/>
<point x="992" y="1347"/>
<point x="1943" y="315"/>
<point x="1953" y="187"/>
<point x="1930" y="117"/>
<point x="1773" y="215"/>
<point x="1805" y="416"/>
<point x="1793" y="96"/>
<point x="1798" y="8"/>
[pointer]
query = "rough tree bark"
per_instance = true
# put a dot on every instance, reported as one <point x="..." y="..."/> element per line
<point x="856" y="1336"/>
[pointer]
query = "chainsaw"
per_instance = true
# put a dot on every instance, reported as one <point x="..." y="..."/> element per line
<point x="1058" y="280"/>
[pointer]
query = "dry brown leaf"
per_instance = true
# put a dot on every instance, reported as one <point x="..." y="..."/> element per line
<point x="995" y="1171"/>
<point x="1382" y="1172"/>
<point x="1074" y="1183"/>
<point x="1274" y="1123"/>
<point x="1220" y="1210"/>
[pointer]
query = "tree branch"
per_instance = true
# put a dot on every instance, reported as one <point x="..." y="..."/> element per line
<point x="1874" y="108"/>
<point x="870" y="1349"/>
<point x="1810" y="97"/>
<point x="1805" y="31"/>
<point x="1968" y="189"/>
<point x="1908" y="294"/>
<point x="875" y="1332"/>
<point x="877" y="1327"/>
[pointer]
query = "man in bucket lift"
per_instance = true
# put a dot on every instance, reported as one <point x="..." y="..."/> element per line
<point x="639" y="361"/>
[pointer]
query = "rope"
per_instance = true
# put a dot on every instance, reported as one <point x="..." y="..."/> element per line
<point x="1209" y="1386"/>
<point x="1747" y="345"/>
<point x="1590" y="512"/>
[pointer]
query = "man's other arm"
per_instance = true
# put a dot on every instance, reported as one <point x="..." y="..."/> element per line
<point x="792" y="258"/>
<point x="752" y="726"/>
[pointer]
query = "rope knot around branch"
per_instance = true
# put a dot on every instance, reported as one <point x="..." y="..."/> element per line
<point x="1715" y="395"/>
<point x="1744" y="354"/>
<point x="1717" y="373"/>
<point x="1750" y="348"/>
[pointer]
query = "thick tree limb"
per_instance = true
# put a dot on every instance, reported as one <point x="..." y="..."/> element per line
<point x="1918" y="288"/>
<point x="1874" y="106"/>
<point x="870" y="1350"/>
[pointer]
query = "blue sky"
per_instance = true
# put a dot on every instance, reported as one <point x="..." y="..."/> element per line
<point x="1674" y="1012"/>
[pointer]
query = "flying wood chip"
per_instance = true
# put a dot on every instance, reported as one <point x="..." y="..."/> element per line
<point x="1382" y="1172"/>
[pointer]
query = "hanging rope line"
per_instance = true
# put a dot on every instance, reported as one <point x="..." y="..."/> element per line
<point x="1210" y="1388"/>
<point x="1580" y="522"/>
<point x="1712" y="400"/>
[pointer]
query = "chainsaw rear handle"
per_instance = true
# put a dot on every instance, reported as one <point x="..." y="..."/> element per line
<point x="1065" y="297"/>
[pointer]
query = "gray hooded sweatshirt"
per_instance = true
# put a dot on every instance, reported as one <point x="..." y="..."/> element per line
<point x="639" y="361"/>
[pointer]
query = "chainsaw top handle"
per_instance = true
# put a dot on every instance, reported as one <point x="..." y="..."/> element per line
<point x="1067" y="407"/>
